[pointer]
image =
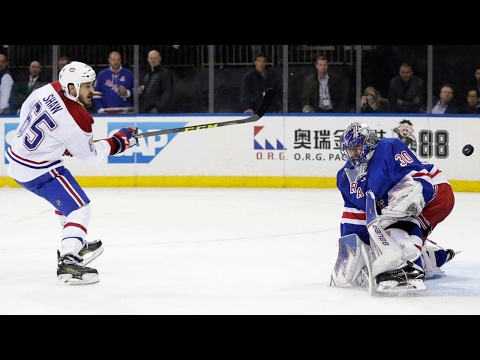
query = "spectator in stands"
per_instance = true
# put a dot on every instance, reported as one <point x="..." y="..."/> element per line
<point x="323" y="92"/>
<point x="29" y="81"/>
<point x="475" y="82"/>
<point x="255" y="82"/>
<point x="62" y="61"/>
<point x="156" y="88"/>
<point x="113" y="88"/>
<point x="373" y="102"/>
<point x="7" y="94"/>
<point x="278" y="52"/>
<point x="472" y="105"/>
<point x="444" y="104"/>
<point x="407" y="92"/>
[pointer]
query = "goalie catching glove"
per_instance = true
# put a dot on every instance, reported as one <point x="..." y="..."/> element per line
<point x="405" y="199"/>
<point x="122" y="140"/>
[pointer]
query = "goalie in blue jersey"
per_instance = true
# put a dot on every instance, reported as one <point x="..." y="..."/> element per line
<point x="383" y="244"/>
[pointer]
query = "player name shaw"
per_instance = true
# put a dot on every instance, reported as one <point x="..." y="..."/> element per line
<point x="52" y="103"/>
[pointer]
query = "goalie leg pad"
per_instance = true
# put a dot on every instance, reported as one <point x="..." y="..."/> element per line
<point x="350" y="261"/>
<point x="409" y="275"/>
<point x="385" y="252"/>
<point x="402" y="248"/>
<point x="410" y="244"/>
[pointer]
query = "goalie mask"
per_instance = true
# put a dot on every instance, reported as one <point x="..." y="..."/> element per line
<point x="357" y="137"/>
<point x="75" y="73"/>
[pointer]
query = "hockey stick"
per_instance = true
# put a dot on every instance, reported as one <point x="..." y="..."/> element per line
<point x="267" y="100"/>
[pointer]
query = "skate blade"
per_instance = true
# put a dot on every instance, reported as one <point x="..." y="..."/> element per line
<point x="88" y="258"/>
<point x="67" y="279"/>
<point x="392" y="287"/>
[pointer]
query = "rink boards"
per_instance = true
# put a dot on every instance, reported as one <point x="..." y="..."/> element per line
<point x="294" y="150"/>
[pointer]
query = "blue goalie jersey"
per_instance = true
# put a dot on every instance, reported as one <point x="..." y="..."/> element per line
<point x="390" y="163"/>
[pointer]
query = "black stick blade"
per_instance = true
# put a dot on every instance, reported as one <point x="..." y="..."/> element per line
<point x="266" y="102"/>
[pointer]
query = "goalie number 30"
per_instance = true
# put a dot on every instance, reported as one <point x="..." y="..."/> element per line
<point x="433" y="144"/>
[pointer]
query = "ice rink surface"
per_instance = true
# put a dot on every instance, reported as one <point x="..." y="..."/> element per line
<point x="189" y="251"/>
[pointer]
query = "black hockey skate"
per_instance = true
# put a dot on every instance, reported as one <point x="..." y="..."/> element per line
<point x="450" y="254"/>
<point x="89" y="252"/>
<point x="71" y="272"/>
<point x="407" y="278"/>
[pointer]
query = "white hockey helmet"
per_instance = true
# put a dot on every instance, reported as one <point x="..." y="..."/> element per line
<point x="75" y="73"/>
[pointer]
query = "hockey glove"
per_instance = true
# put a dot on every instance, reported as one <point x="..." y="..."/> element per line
<point x="122" y="140"/>
<point x="405" y="199"/>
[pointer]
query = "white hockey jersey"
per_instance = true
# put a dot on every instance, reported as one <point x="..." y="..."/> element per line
<point x="50" y="124"/>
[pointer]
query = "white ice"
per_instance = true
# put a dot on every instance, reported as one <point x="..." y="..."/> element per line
<point x="215" y="251"/>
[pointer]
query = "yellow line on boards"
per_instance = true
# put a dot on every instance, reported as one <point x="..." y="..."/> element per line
<point x="224" y="182"/>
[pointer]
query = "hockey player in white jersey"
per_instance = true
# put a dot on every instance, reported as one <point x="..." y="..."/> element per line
<point x="392" y="203"/>
<point x="54" y="122"/>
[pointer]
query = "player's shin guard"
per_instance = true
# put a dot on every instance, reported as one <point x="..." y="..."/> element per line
<point x="395" y="255"/>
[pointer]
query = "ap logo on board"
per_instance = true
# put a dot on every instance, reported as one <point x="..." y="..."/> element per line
<point x="147" y="148"/>
<point x="144" y="152"/>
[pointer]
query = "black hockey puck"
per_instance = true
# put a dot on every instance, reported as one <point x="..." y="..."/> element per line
<point x="468" y="150"/>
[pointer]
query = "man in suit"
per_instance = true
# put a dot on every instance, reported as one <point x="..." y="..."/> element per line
<point x="157" y="86"/>
<point x="407" y="92"/>
<point x="324" y="91"/>
<point x="28" y="82"/>
<point x="443" y="104"/>
<point x="255" y="82"/>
